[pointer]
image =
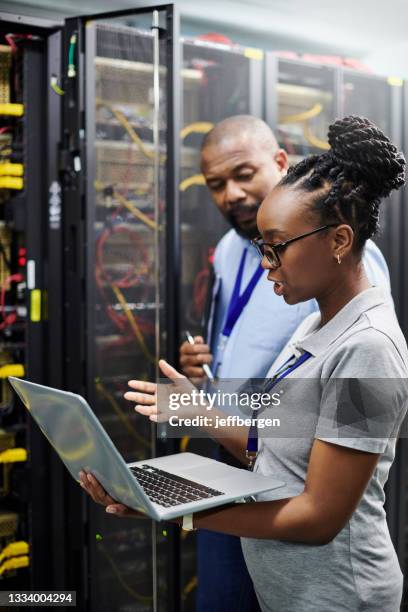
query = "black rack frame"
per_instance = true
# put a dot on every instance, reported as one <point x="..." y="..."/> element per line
<point x="78" y="229"/>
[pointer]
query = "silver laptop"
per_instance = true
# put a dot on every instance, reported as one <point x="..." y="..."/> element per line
<point x="163" y="487"/>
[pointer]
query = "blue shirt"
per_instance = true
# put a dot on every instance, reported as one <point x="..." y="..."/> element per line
<point x="267" y="322"/>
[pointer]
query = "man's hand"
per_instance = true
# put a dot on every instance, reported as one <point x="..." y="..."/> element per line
<point x="193" y="356"/>
<point x="95" y="490"/>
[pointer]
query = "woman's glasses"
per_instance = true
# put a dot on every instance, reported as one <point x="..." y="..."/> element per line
<point x="271" y="251"/>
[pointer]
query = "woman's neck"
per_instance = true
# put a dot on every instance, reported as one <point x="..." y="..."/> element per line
<point x="341" y="294"/>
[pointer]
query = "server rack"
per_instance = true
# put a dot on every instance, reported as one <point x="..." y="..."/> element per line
<point x="218" y="81"/>
<point x="301" y="101"/>
<point x="380" y="99"/>
<point x="62" y="215"/>
<point x="122" y="248"/>
<point x="25" y="339"/>
<point x="303" y="98"/>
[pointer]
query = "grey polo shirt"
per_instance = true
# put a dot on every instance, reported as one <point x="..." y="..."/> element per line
<point x="358" y="570"/>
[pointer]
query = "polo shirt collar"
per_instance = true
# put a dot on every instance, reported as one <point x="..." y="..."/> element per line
<point x="318" y="340"/>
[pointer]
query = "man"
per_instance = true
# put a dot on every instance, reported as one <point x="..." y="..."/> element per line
<point x="242" y="162"/>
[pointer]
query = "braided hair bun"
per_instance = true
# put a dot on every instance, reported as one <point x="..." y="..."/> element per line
<point x="367" y="155"/>
<point x="348" y="182"/>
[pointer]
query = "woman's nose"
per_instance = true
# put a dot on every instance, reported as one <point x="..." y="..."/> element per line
<point x="269" y="265"/>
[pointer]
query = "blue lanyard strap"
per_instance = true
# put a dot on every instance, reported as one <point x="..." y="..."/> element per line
<point x="238" y="302"/>
<point x="252" y="444"/>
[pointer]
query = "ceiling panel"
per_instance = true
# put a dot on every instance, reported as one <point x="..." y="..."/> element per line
<point x="359" y="28"/>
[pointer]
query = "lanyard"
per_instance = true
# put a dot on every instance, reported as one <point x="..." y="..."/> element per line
<point x="252" y="444"/>
<point x="237" y="303"/>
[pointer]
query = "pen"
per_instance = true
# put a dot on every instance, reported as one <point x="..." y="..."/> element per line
<point x="206" y="367"/>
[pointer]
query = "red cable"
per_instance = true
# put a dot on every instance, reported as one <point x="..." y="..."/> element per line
<point x="12" y="38"/>
<point x="10" y="318"/>
<point x="10" y="41"/>
<point x="130" y="279"/>
<point x="200" y="288"/>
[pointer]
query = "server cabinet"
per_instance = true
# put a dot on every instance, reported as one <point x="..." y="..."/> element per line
<point x="121" y="268"/>
<point x="218" y="81"/>
<point x="302" y="99"/>
<point x="301" y="102"/>
<point x="26" y="347"/>
<point x="380" y="100"/>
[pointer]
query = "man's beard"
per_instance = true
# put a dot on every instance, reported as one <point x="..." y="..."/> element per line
<point x="250" y="230"/>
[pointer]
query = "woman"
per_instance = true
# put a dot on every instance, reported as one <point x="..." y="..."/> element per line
<point x="325" y="546"/>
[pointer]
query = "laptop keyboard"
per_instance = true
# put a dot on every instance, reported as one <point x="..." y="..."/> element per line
<point x="169" y="490"/>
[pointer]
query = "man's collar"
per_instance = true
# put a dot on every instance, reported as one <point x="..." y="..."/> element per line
<point x="320" y="339"/>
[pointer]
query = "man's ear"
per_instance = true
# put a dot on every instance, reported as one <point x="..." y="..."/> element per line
<point x="281" y="160"/>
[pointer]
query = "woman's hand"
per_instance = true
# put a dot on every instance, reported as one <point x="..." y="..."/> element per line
<point x="167" y="403"/>
<point x="145" y="395"/>
<point x="95" y="490"/>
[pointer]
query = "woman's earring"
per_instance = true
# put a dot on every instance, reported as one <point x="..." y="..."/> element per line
<point x="338" y="259"/>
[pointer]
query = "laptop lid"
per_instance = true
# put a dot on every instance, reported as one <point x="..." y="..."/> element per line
<point x="78" y="437"/>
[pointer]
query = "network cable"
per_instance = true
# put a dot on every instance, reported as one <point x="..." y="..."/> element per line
<point x="121" y="414"/>
<point x="304" y="117"/>
<point x="133" y="324"/>
<point x="150" y="154"/>
<point x="8" y="319"/>
<point x="146" y="599"/>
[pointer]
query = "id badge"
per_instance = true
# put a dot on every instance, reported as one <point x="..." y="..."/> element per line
<point x="222" y="343"/>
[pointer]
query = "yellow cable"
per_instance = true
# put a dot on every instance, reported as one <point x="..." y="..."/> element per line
<point x="55" y="87"/>
<point x="14" y="563"/>
<point x="196" y="179"/>
<point x="13" y="455"/>
<point x="200" y="127"/>
<point x="143" y="598"/>
<point x="14" y="110"/>
<point x="9" y="169"/>
<point x="133" y="324"/>
<point x="135" y="212"/>
<point x="12" y="369"/>
<point x="307" y="133"/>
<point x="11" y="182"/>
<point x="184" y="443"/>
<point x="130" y="130"/>
<point x="305" y="116"/>
<point x="190" y="586"/>
<point x="313" y="140"/>
<point x="13" y="549"/>
<point x="122" y="416"/>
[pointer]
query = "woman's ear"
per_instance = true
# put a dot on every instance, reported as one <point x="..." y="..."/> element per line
<point x="342" y="241"/>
